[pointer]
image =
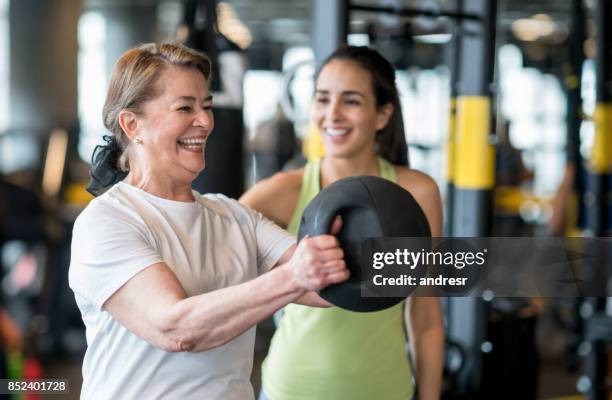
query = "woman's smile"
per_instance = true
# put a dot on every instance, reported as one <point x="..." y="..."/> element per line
<point x="194" y="144"/>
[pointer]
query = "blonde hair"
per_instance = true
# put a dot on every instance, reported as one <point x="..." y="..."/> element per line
<point x="134" y="81"/>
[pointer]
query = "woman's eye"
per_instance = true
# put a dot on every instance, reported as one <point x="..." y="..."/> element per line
<point x="352" y="102"/>
<point x="185" y="109"/>
<point x="322" y="100"/>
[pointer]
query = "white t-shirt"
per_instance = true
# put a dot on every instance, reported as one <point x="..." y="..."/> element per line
<point x="209" y="244"/>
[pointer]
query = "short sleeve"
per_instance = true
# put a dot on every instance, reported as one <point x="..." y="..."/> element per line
<point x="109" y="247"/>
<point x="272" y="242"/>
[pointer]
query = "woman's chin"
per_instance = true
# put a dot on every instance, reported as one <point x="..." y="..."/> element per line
<point x="192" y="169"/>
<point x="197" y="171"/>
<point x="337" y="151"/>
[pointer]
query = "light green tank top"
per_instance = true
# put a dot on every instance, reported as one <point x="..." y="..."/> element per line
<point x="334" y="354"/>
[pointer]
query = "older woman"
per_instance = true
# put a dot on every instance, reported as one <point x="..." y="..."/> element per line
<point x="170" y="283"/>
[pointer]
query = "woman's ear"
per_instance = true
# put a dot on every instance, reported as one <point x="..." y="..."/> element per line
<point x="383" y="116"/>
<point x="129" y="123"/>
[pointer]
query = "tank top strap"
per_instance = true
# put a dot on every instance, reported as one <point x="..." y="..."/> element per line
<point x="387" y="171"/>
<point x="311" y="185"/>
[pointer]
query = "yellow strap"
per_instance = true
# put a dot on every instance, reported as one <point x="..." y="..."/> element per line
<point x="474" y="155"/>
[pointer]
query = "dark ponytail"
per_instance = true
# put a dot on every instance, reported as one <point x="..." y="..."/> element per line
<point x="391" y="140"/>
<point x="104" y="166"/>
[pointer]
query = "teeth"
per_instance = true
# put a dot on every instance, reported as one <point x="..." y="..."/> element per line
<point x="336" y="132"/>
<point x="192" y="141"/>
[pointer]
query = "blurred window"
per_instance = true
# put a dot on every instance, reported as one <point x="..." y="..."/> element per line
<point x="261" y="96"/>
<point x="19" y="150"/>
<point x="92" y="80"/>
<point x="424" y="95"/>
<point x="589" y="101"/>
<point x="535" y="105"/>
<point x="4" y="65"/>
<point x="298" y="86"/>
<point x="265" y="90"/>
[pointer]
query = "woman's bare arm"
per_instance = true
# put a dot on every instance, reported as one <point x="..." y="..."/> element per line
<point x="424" y="314"/>
<point x="154" y="306"/>
<point x="427" y="332"/>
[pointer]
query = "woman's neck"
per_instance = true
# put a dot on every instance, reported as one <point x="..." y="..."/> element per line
<point x="161" y="186"/>
<point x="335" y="168"/>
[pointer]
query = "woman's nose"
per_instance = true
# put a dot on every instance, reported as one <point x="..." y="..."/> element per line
<point x="334" y="112"/>
<point x="204" y="119"/>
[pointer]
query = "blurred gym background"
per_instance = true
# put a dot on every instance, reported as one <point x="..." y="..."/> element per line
<point x="506" y="104"/>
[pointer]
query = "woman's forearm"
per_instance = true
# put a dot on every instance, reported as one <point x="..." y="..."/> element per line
<point x="429" y="348"/>
<point x="212" y="319"/>
<point x="154" y="306"/>
<point x="426" y="328"/>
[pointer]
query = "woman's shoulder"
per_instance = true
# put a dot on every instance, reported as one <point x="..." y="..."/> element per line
<point x="276" y="197"/>
<point x="415" y="181"/>
<point x="425" y="191"/>
<point x="119" y="206"/>
<point x="279" y="184"/>
<point x="106" y="216"/>
<point x="99" y="207"/>
<point x="292" y="180"/>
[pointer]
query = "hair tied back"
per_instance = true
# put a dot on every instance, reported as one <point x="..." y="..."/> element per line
<point x="104" y="172"/>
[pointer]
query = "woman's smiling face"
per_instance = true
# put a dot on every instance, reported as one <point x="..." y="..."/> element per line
<point x="345" y="109"/>
<point x="175" y="125"/>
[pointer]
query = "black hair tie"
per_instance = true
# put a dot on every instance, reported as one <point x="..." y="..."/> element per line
<point x="104" y="172"/>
